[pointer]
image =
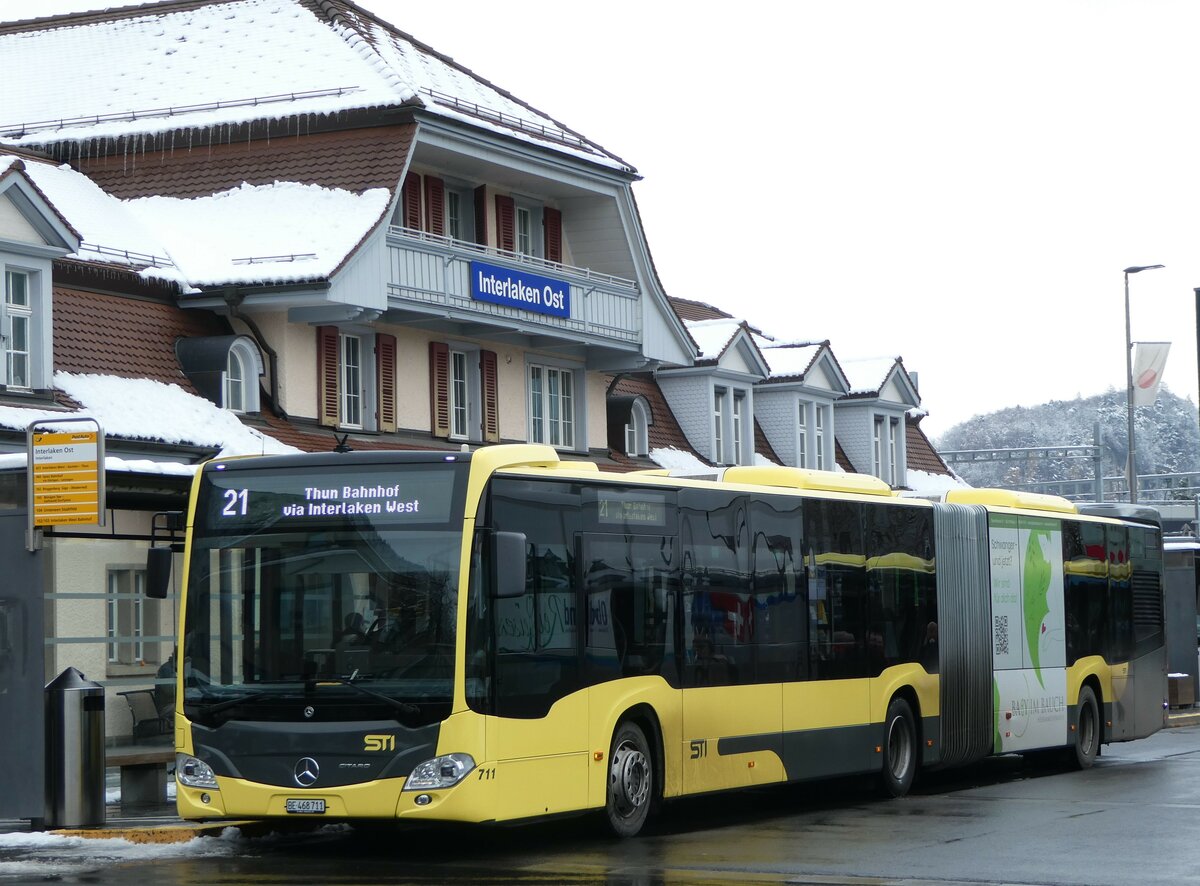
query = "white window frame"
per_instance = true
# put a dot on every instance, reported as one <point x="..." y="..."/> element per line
<point x="527" y="234"/>
<point x="554" y="408"/>
<point x="351" y="380"/>
<point x="125" y="603"/>
<point x="637" y="431"/>
<point x="460" y="397"/>
<point x="18" y="314"/>
<point x="877" y="447"/>
<point x="894" y="448"/>
<point x="802" y="436"/>
<point x="822" y="439"/>
<point x="240" y="394"/>
<point x="460" y="212"/>
<point x="719" y="395"/>
<point x="739" y="410"/>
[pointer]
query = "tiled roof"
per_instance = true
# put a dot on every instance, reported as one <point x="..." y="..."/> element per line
<point x="127" y="337"/>
<point x="354" y="159"/>
<point x="919" y="452"/>
<point x="697" y="310"/>
<point x="763" y="446"/>
<point x="664" y="431"/>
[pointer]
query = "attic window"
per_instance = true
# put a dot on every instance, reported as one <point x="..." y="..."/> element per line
<point x="224" y="369"/>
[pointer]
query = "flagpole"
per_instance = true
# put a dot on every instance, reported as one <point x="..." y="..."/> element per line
<point x="1131" y="465"/>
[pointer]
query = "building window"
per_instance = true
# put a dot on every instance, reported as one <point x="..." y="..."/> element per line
<point x="822" y="449"/>
<point x="637" y="431"/>
<point x="894" y="449"/>
<point x="459" y="399"/>
<point x="17" y="328"/>
<point x="128" y="614"/>
<point x="356" y="373"/>
<point x="719" y="426"/>
<point x="802" y="438"/>
<point x="350" y="381"/>
<point x="524" y="231"/>
<point x="235" y="383"/>
<point x="739" y="403"/>
<point x="552" y="406"/>
<point x="877" y="449"/>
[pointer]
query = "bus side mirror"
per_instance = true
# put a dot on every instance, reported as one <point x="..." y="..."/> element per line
<point x="508" y="564"/>
<point x="158" y="572"/>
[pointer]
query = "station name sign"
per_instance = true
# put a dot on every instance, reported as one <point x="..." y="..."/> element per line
<point x="520" y="289"/>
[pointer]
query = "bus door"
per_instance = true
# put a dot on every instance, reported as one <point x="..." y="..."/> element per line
<point x="538" y="737"/>
<point x="731" y="721"/>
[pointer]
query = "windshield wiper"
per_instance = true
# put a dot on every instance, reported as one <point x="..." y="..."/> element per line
<point x="215" y="706"/>
<point x="403" y="707"/>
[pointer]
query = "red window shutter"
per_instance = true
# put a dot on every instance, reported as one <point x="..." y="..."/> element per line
<point x="489" y="381"/>
<point x="327" y="376"/>
<point x="506" y="226"/>
<point x="410" y="201"/>
<point x="552" y="226"/>
<point x="385" y="371"/>
<point x="439" y="388"/>
<point x="481" y="215"/>
<point x="435" y="205"/>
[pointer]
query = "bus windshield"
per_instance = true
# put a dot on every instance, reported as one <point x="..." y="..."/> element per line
<point x="332" y="588"/>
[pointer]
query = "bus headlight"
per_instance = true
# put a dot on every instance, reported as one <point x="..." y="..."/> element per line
<point x="195" y="773"/>
<point x="440" y="772"/>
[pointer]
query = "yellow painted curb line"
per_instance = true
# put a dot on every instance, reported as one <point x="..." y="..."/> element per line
<point x="167" y="833"/>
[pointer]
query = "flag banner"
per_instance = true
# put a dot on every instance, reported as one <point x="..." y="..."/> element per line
<point x="1149" y="358"/>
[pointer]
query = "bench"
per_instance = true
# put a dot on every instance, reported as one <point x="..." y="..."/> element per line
<point x="143" y="772"/>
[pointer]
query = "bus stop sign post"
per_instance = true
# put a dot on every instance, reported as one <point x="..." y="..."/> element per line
<point x="65" y="471"/>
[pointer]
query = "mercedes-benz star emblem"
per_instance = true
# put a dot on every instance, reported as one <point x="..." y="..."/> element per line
<point x="309" y="711"/>
<point x="306" y="772"/>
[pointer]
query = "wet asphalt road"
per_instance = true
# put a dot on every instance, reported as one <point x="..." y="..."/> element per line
<point x="1133" y="819"/>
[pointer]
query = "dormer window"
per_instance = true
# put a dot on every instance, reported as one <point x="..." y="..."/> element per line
<point x="224" y="369"/>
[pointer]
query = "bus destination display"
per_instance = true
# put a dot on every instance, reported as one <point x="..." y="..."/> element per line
<point x="623" y="509"/>
<point x="407" y="496"/>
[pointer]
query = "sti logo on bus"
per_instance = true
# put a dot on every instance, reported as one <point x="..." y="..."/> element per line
<point x="379" y="742"/>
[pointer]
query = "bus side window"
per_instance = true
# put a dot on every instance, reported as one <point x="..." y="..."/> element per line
<point x="780" y="590"/>
<point x="717" y="608"/>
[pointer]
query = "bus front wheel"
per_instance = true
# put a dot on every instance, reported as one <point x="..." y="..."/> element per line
<point x="630" y="781"/>
<point x="1087" y="729"/>
<point x="899" y="749"/>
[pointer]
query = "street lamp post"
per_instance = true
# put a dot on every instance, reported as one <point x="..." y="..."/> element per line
<point x="1131" y="467"/>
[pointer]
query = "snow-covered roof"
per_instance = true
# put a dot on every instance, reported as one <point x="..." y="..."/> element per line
<point x="868" y="374"/>
<point x="790" y="359"/>
<point x="144" y="409"/>
<point x="176" y="65"/>
<point x="108" y="230"/>
<point x="713" y="336"/>
<point x="278" y="233"/>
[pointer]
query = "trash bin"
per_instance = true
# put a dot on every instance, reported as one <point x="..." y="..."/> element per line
<point x="74" y="751"/>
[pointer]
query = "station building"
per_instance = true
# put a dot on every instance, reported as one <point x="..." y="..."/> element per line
<point x="260" y="226"/>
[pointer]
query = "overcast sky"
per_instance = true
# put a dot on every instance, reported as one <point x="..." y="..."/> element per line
<point x="957" y="183"/>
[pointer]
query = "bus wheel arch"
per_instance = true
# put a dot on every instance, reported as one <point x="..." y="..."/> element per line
<point x="1089" y="729"/>
<point x="634" y="778"/>
<point x="901" y="745"/>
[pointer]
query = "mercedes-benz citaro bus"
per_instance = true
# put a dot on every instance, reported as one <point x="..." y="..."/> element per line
<point x="501" y="635"/>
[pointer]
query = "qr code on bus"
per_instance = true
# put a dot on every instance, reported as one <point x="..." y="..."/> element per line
<point x="1001" y="634"/>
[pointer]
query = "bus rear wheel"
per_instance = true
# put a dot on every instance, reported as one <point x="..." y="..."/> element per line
<point x="899" y="749"/>
<point x="630" y="781"/>
<point x="1087" y="729"/>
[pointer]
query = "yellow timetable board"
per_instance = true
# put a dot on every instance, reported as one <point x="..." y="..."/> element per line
<point x="66" y="478"/>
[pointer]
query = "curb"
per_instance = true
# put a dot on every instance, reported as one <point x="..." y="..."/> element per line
<point x="163" y="833"/>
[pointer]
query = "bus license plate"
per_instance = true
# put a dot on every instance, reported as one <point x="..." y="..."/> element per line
<point x="305" y="807"/>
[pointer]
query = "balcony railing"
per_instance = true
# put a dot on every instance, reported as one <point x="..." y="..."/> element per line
<point x="434" y="273"/>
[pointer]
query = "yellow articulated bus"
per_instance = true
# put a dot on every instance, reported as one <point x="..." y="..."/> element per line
<point x="501" y="635"/>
